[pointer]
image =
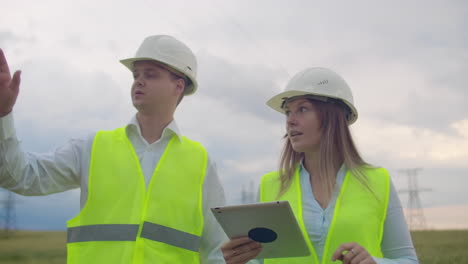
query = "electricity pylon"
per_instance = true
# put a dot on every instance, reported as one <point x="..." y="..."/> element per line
<point x="415" y="213"/>
<point x="8" y="216"/>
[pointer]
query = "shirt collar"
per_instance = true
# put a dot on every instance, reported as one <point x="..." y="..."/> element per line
<point x="339" y="176"/>
<point x="169" y="130"/>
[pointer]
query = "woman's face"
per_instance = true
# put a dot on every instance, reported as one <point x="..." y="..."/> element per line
<point x="303" y="125"/>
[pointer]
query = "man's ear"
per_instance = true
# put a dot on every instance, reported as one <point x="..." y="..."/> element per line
<point x="180" y="86"/>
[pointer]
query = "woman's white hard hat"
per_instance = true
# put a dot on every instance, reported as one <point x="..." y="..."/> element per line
<point x="319" y="83"/>
<point x="170" y="52"/>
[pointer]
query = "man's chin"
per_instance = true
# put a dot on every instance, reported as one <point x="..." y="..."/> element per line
<point x="138" y="106"/>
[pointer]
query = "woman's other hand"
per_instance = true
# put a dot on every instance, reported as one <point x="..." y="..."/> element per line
<point x="240" y="250"/>
<point x="352" y="253"/>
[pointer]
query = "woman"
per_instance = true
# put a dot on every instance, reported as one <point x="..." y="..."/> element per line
<point x="347" y="208"/>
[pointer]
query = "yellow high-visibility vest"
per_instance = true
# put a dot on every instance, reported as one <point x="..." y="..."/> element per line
<point x="359" y="215"/>
<point x="123" y="222"/>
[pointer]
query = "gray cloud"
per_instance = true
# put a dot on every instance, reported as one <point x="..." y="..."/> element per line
<point x="5" y="38"/>
<point x="245" y="87"/>
<point x="353" y="38"/>
<point x="69" y="101"/>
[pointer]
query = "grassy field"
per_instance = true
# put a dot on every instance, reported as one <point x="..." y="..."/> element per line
<point x="441" y="247"/>
<point x="36" y="247"/>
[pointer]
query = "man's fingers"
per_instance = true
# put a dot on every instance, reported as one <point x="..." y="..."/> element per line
<point x="3" y="63"/>
<point x="15" y="82"/>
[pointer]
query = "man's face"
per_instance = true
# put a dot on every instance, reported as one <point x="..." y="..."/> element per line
<point x="154" y="88"/>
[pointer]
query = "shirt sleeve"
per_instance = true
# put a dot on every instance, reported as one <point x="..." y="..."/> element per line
<point x="28" y="173"/>
<point x="397" y="246"/>
<point x="213" y="235"/>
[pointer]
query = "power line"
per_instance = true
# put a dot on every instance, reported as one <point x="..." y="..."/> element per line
<point x="415" y="213"/>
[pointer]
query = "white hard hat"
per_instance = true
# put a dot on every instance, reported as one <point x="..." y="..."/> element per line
<point x="170" y="52"/>
<point x="320" y="83"/>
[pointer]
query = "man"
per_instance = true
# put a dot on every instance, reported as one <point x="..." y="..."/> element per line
<point x="146" y="190"/>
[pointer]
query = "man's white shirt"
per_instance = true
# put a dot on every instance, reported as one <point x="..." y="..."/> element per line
<point x="67" y="167"/>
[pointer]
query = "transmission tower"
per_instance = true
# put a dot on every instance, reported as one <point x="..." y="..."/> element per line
<point x="248" y="196"/>
<point x="415" y="213"/>
<point x="8" y="216"/>
<point x="243" y="195"/>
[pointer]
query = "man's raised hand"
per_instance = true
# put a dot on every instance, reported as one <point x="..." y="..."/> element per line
<point x="9" y="86"/>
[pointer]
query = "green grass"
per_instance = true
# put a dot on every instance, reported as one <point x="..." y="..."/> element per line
<point x="34" y="247"/>
<point x="441" y="247"/>
<point x="40" y="247"/>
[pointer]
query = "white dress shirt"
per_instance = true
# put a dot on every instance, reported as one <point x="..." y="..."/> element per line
<point x="67" y="168"/>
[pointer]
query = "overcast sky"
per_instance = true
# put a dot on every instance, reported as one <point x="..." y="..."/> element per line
<point x="406" y="62"/>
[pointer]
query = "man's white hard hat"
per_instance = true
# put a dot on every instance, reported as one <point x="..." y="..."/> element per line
<point x="319" y="83"/>
<point x="172" y="53"/>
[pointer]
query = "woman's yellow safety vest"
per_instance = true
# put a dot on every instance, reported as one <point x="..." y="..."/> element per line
<point x="122" y="222"/>
<point x="359" y="215"/>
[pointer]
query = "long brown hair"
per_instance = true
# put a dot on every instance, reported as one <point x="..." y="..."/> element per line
<point x="336" y="147"/>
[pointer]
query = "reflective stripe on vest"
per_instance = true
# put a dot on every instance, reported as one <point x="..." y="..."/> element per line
<point x="123" y="232"/>
<point x="110" y="232"/>
<point x="170" y="236"/>
<point x="359" y="215"/>
<point x="125" y="221"/>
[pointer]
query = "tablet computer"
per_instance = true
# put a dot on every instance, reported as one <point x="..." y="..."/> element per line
<point x="271" y="223"/>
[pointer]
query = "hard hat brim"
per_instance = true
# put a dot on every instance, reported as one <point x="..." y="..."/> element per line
<point x="276" y="102"/>
<point x="190" y="89"/>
